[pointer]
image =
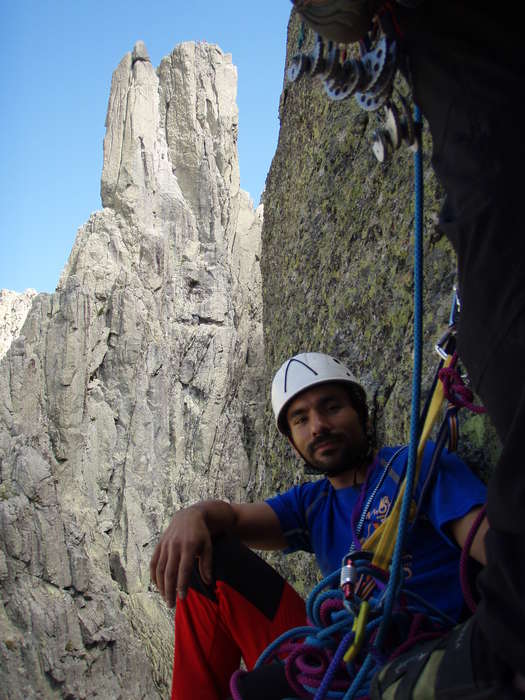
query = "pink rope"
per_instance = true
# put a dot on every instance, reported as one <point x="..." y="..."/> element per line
<point x="463" y="562"/>
<point x="327" y="607"/>
<point x="455" y="390"/>
<point x="292" y="676"/>
<point x="312" y="661"/>
<point x="306" y="666"/>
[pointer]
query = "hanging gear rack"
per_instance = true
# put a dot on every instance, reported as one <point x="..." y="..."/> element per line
<point x="369" y="78"/>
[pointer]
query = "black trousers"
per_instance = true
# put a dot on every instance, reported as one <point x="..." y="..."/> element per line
<point x="465" y="60"/>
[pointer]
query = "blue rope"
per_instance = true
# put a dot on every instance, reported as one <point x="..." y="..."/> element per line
<point x="387" y="600"/>
<point x="311" y="608"/>
<point x="334" y="664"/>
<point x="360" y="677"/>
<point x="299" y="632"/>
<point x="396" y="566"/>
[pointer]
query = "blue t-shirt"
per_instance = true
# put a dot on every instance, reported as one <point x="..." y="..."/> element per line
<point x="315" y="517"/>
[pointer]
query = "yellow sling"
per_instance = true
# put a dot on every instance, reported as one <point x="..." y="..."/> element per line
<point x="382" y="541"/>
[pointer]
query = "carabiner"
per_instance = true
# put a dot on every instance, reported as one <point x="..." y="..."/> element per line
<point x="348" y="577"/>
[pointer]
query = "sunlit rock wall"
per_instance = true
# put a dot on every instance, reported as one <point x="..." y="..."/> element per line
<point x="14" y="308"/>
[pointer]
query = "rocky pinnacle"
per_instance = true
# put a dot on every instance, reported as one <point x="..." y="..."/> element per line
<point x="134" y="389"/>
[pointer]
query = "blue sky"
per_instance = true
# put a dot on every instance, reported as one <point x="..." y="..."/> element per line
<point x="58" y="58"/>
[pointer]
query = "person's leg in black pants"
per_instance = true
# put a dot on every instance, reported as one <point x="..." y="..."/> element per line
<point x="466" y="64"/>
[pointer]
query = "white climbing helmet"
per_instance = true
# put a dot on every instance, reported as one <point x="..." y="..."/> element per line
<point x="302" y="372"/>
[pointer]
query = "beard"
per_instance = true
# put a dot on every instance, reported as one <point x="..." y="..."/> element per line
<point x="342" y="457"/>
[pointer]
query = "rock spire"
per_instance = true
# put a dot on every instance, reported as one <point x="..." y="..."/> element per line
<point x="134" y="389"/>
<point x="13" y="311"/>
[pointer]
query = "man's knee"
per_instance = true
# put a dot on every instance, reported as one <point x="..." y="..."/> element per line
<point x="239" y="568"/>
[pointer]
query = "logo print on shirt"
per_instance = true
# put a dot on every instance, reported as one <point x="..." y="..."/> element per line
<point x="375" y="516"/>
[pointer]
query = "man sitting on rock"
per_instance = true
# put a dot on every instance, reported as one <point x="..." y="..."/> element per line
<point x="231" y="604"/>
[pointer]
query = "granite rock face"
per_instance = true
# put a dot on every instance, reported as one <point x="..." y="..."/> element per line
<point x="133" y="390"/>
<point x="14" y="308"/>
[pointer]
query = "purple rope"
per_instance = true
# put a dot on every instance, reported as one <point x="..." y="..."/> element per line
<point x="292" y="678"/>
<point x="233" y="685"/>
<point x="415" y="639"/>
<point x="301" y="674"/>
<point x="455" y="390"/>
<point x="334" y="664"/>
<point x="304" y="661"/>
<point x="463" y="562"/>
<point x="329" y="606"/>
<point x="417" y="634"/>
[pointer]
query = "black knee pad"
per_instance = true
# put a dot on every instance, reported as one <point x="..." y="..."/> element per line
<point x="239" y="567"/>
<point x="263" y="683"/>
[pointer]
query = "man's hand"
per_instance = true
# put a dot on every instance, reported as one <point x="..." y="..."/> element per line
<point x="189" y="537"/>
<point x="186" y="538"/>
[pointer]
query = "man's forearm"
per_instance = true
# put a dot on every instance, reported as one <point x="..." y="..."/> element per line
<point x="255" y="524"/>
<point x="219" y="516"/>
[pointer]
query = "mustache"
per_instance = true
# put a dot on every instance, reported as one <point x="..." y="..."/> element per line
<point x="326" y="437"/>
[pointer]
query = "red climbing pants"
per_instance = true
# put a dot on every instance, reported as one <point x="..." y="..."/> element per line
<point x="248" y="606"/>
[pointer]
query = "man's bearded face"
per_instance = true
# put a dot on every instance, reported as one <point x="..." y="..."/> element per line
<point x="326" y="431"/>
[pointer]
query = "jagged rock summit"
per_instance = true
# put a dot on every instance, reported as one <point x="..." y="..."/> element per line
<point x="14" y="308"/>
<point x="132" y="390"/>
